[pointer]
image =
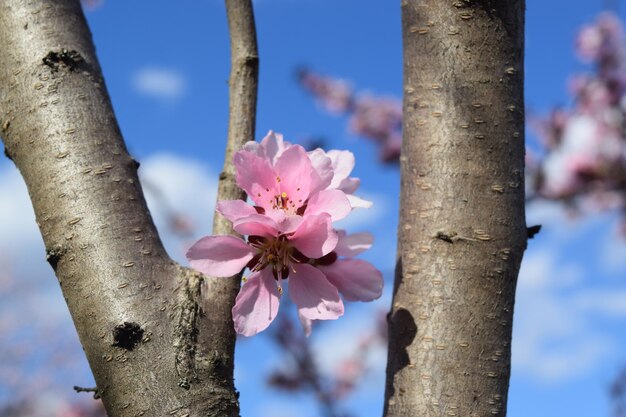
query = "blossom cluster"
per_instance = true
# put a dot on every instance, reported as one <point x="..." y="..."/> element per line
<point x="378" y="119"/>
<point x="585" y="159"/>
<point x="289" y="235"/>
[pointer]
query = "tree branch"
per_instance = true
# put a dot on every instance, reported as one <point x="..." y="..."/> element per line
<point x="219" y="293"/>
<point x="461" y="231"/>
<point x="140" y="316"/>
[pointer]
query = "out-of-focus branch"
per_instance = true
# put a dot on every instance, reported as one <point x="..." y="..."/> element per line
<point x="303" y="374"/>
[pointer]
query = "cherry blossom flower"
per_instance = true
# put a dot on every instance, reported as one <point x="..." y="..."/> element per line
<point x="289" y="235"/>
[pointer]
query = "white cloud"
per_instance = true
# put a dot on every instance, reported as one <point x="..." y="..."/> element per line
<point x="363" y="218"/>
<point x="336" y="342"/>
<point x="554" y="337"/>
<point x="18" y="229"/>
<point x="613" y="253"/>
<point x="160" y="83"/>
<point x="185" y="187"/>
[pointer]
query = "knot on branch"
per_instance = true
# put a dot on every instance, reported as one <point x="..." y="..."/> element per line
<point x="71" y="60"/>
<point x="127" y="335"/>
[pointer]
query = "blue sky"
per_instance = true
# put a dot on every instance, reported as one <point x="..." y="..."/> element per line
<point x="166" y="66"/>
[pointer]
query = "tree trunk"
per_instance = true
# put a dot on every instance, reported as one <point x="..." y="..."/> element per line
<point x="139" y="315"/>
<point x="462" y="231"/>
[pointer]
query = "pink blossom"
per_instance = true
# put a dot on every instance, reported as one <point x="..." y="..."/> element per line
<point x="342" y="164"/>
<point x="335" y="95"/>
<point x="375" y="118"/>
<point x="602" y="41"/>
<point x="273" y="254"/>
<point x="356" y="280"/>
<point x="290" y="236"/>
<point x="281" y="180"/>
<point x="585" y="162"/>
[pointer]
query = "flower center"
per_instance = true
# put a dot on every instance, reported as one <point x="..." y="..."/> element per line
<point x="278" y="254"/>
<point x="281" y="201"/>
<point x="275" y="253"/>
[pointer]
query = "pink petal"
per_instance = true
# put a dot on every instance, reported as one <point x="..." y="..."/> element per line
<point x="343" y="164"/>
<point x="357" y="202"/>
<point x="333" y="202"/>
<point x="219" y="256"/>
<point x="289" y="224"/>
<point x="293" y="174"/>
<point x="273" y="145"/>
<point x="352" y="245"/>
<point x="256" y="225"/>
<point x="315" y="236"/>
<point x="316" y="298"/>
<point x="255" y="148"/>
<point x="307" y="324"/>
<point x="357" y="280"/>
<point x="322" y="174"/>
<point x="235" y="209"/>
<point x="256" y="177"/>
<point x="349" y="185"/>
<point x="256" y="304"/>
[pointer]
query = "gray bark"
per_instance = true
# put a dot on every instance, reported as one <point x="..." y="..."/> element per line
<point x="462" y="230"/>
<point x="139" y="315"/>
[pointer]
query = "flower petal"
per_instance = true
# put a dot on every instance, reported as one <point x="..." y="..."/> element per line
<point x="357" y="280"/>
<point x="354" y="244"/>
<point x="219" y="256"/>
<point x="288" y="224"/>
<point x="349" y="185"/>
<point x="293" y="174"/>
<point x="343" y="164"/>
<point x="235" y="209"/>
<point x="256" y="177"/>
<point x="256" y="225"/>
<point x="316" y="298"/>
<point x="273" y="145"/>
<point x="256" y="304"/>
<point x="357" y="202"/>
<point x="315" y="236"/>
<point x="333" y="202"/>
<point x="322" y="174"/>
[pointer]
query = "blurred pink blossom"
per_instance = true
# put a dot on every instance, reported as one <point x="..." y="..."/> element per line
<point x="378" y="119"/>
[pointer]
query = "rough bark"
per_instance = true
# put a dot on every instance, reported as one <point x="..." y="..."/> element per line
<point x="462" y="230"/>
<point x="241" y="126"/>
<point x="139" y="315"/>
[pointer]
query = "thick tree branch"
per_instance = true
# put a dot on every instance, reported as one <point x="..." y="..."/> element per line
<point x="462" y="231"/>
<point x="139" y="315"/>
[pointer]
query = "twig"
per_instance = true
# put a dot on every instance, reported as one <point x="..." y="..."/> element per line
<point x="96" y="394"/>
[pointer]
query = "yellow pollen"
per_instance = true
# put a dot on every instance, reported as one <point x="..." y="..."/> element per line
<point x="284" y="195"/>
<point x="280" y="290"/>
<point x="244" y="279"/>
